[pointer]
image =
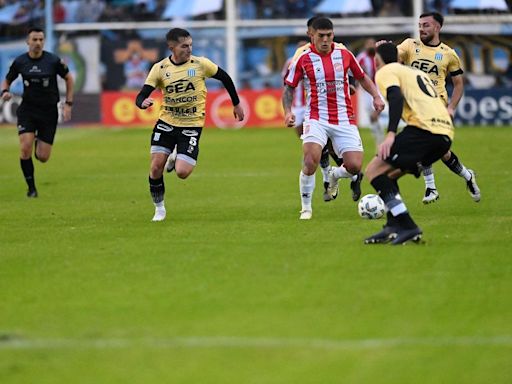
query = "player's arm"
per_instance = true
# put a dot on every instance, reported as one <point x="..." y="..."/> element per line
<point x="287" y="100"/>
<point x="365" y="82"/>
<point x="458" y="91"/>
<point x="369" y="87"/>
<point x="143" y="100"/>
<point x="6" y="95"/>
<point x="227" y="81"/>
<point x="68" y="103"/>
<point x="6" y="83"/>
<point x="396" y="106"/>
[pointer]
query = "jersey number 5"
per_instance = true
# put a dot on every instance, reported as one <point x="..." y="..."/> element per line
<point x="426" y="86"/>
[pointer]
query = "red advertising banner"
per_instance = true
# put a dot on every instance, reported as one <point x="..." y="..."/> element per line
<point x="262" y="109"/>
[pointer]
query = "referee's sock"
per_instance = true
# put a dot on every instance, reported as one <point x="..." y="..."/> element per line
<point x="457" y="167"/>
<point x="397" y="211"/>
<point x="27" y="166"/>
<point x="157" y="190"/>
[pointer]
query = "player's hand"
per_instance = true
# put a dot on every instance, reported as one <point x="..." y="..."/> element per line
<point x="6" y="96"/>
<point x="380" y="42"/>
<point x="385" y="147"/>
<point x="238" y="112"/>
<point x="378" y="104"/>
<point x="289" y="120"/>
<point x="66" y="112"/>
<point x="147" y="103"/>
<point x="451" y="111"/>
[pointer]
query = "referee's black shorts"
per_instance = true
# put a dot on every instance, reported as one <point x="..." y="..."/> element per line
<point x="42" y="121"/>
<point x="415" y="147"/>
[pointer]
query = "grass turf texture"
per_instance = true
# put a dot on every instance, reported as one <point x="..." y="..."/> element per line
<point x="232" y="288"/>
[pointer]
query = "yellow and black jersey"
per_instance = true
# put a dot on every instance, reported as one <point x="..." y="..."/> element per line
<point x="437" y="62"/>
<point x="423" y="107"/>
<point x="183" y="88"/>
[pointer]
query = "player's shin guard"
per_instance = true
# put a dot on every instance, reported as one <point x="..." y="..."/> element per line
<point x="157" y="189"/>
<point x="457" y="167"/>
<point x="395" y="206"/>
<point x="307" y="186"/>
<point x="27" y="166"/>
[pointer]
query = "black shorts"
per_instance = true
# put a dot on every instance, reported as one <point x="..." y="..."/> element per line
<point x="165" y="137"/>
<point x="415" y="147"/>
<point x="41" y="121"/>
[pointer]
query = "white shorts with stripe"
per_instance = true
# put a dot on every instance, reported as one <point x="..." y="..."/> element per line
<point x="345" y="137"/>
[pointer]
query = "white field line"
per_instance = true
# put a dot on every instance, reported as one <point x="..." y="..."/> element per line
<point x="251" y="343"/>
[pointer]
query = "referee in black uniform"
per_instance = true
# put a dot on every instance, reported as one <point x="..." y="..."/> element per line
<point x="38" y="114"/>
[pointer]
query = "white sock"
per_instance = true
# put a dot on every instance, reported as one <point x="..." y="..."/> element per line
<point x="325" y="173"/>
<point x="160" y="205"/>
<point x="307" y="186"/>
<point x="340" y="172"/>
<point x="465" y="173"/>
<point x="428" y="176"/>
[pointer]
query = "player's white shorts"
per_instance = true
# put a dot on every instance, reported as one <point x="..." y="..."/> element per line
<point x="345" y="137"/>
<point x="299" y="113"/>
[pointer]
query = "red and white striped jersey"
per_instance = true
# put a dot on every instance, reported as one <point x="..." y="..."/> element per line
<point x="299" y="96"/>
<point x="325" y="77"/>
<point x="367" y="62"/>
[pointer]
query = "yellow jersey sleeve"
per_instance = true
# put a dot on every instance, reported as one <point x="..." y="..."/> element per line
<point x="209" y="67"/>
<point x="386" y="78"/>
<point x="454" y="63"/>
<point x="154" y="78"/>
<point x="404" y="49"/>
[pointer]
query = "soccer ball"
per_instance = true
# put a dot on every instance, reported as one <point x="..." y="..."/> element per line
<point x="371" y="207"/>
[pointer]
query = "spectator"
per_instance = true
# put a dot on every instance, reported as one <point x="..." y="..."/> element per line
<point x="59" y="12"/>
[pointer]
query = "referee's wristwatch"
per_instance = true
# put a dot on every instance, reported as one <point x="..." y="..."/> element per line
<point x="70" y="103"/>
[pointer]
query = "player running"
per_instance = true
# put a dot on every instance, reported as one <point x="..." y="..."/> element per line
<point x="324" y="69"/>
<point x="181" y="78"/>
<point x="437" y="60"/>
<point x="426" y="138"/>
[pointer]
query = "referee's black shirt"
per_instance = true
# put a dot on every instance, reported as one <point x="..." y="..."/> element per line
<point x="39" y="78"/>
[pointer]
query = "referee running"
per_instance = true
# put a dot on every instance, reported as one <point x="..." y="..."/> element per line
<point x="38" y="113"/>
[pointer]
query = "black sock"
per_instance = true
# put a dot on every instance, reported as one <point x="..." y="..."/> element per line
<point x="454" y="164"/>
<point x="157" y="189"/>
<point x="389" y="193"/>
<point x="337" y="160"/>
<point x="27" y="166"/>
<point x="324" y="160"/>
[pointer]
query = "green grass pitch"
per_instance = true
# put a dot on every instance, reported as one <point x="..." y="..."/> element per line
<point x="232" y="288"/>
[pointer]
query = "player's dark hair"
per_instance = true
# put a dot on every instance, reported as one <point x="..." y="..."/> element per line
<point x="322" y="23"/>
<point x="311" y="20"/>
<point x="388" y="53"/>
<point x="436" y="15"/>
<point x="176" y="33"/>
<point x="34" y="29"/>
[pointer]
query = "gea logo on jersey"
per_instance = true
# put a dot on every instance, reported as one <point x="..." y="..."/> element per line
<point x="180" y="86"/>
<point x="426" y="66"/>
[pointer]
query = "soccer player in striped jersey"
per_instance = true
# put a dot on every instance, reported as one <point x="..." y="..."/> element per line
<point x="324" y="70"/>
<point x="181" y="78"/>
<point x="325" y="166"/>
<point x="437" y="60"/>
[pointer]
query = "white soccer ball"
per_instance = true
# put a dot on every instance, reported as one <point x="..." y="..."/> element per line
<point x="371" y="207"/>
